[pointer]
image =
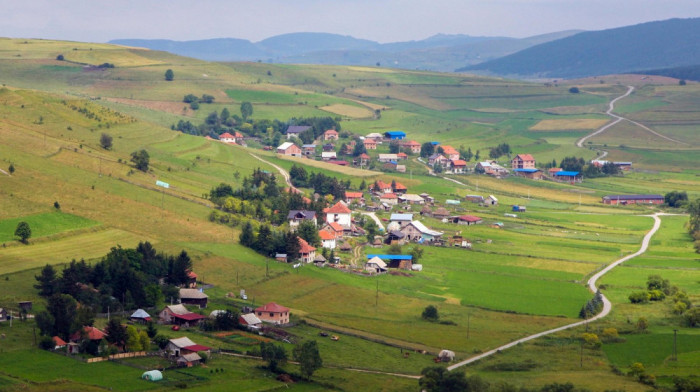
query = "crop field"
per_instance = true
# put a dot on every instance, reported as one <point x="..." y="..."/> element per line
<point x="573" y="124"/>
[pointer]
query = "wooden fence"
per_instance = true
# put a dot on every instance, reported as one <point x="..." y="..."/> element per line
<point x="118" y="356"/>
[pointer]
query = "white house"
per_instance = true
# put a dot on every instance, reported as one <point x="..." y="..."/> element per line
<point x="340" y="214"/>
<point x="328" y="240"/>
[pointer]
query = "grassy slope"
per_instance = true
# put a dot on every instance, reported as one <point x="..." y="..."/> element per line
<point x="65" y="165"/>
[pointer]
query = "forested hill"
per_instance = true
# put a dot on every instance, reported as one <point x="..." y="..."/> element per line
<point x="653" y="45"/>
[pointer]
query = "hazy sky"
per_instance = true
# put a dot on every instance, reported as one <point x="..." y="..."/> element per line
<point x="377" y="20"/>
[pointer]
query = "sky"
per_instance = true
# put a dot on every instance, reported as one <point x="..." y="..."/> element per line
<point x="376" y="20"/>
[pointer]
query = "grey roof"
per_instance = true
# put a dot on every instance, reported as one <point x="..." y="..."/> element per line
<point x="401" y="217"/>
<point x="140" y="313"/>
<point x="191" y="357"/>
<point x="301" y="214"/>
<point x="397" y="234"/>
<point x="182" y="342"/>
<point x="280" y="255"/>
<point x="297" y="129"/>
<point x="192" y="294"/>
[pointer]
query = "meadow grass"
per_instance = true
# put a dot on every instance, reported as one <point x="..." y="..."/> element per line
<point x="44" y="224"/>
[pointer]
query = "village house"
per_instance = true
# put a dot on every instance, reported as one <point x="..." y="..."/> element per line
<point x="394" y="135"/>
<point x="385" y="158"/>
<point x="625" y="166"/>
<point x="401" y="156"/>
<point x="381" y="187"/>
<point x="377" y="137"/>
<point x="362" y="160"/>
<point x="440" y="213"/>
<point x="370" y="144"/>
<point x="491" y="201"/>
<point x="295" y="130"/>
<point x="568" y="176"/>
<point x="329" y="155"/>
<point x="354" y="197"/>
<point x="394" y="261"/>
<point x="273" y="313"/>
<point x="450" y="152"/>
<point x="390" y="166"/>
<point x="491" y="168"/>
<point x="140" y="316"/>
<point x="328" y="240"/>
<point x="306" y="251"/>
<point x="295" y="217"/>
<point x="533" y="174"/>
<point x="523" y="161"/>
<point x="554" y="170"/>
<point x="289" y="148"/>
<point x="3" y="314"/>
<point x="58" y="343"/>
<point x="412" y="146"/>
<point x="86" y="333"/>
<point x="418" y="232"/>
<point x="395" y="237"/>
<point x="191" y="280"/>
<point x="411" y="198"/>
<point x="633" y="199"/>
<point x="330" y="134"/>
<point x="458" y="166"/>
<point x="340" y="214"/>
<point x="236" y="138"/>
<point x="375" y="265"/>
<point x="193" y="297"/>
<point x="250" y="321"/>
<point x="183" y="346"/>
<point x="179" y="315"/>
<point x="334" y="229"/>
<point x="398" y="188"/>
<point x="466" y="220"/>
<point x="329" y="147"/>
<point x="401" y="168"/>
<point x="389" y="198"/>
<point x="309" y="150"/>
<point x="402" y="219"/>
<point x="474" y="198"/>
<point x="436" y="159"/>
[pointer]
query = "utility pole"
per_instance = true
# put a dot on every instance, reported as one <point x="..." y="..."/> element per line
<point x="267" y="267"/>
<point x="236" y="278"/>
<point x="582" y="353"/>
<point x="376" y="298"/>
<point x="469" y="316"/>
<point x="675" y="347"/>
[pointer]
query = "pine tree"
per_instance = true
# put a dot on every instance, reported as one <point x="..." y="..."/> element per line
<point x="247" y="237"/>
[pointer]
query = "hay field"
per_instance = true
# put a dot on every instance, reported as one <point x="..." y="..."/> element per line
<point x="348" y="110"/>
<point x="570" y="124"/>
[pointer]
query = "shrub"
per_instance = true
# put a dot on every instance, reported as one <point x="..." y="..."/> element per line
<point x="656" y="295"/>
<point x="430" y="313"/>
<point x="639" y="297"/>
<point x="574" y="90"/>
<point x="592" y="340"/>
<point x="46" y="343"/>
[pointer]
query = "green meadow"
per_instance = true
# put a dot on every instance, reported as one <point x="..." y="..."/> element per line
<point x="523" y="278"/>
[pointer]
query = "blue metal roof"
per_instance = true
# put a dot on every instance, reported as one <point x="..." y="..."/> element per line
<point x="395" y="133"/>
<point x="434" y="143"/>
<point x="567" y="173"/>
<point x="526" y="170"/>
<point x="391" y="257"/>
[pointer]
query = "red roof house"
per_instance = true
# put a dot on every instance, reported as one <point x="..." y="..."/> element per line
<point x="330" y="134"/>
<point x="273" y="313"/>
<point x="307" y="253"/>
<point x="523" y="161"/>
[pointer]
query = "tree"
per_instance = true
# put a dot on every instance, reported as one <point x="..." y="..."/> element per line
<point x="308" y="357"/>
<point x="427" y="149"/>
<point x="694" y="220"/>
<point x="371" y="229"/>
<point x="11" y="168"/>
<point x="60" y="57"/>
<point x="169" y="75"/>
<point x="246" y="110"/>
<point x="273" y="354"/>
<point x="417" y="252"/>
<point x="47" y="282"/>
<point x="247" y="237"/>
<point x="439" y="379"/>
<point x="23" y="231"/>
<point x="642" y="324"/>
<point x="309" y="232"/>
<point x="63" y="309"/>
<point x="676" y="199"/>
<point x="682" y="82"/>
<point x="133" y="341"/>
<point x="151" y="330"/>
<point x="292" y="246"/>
<point x="56" y="205"/>
<point x="394" y="147"/>
<point x="106" y="141"/>
<point x="430" y="313"/>
<point x="263" y="243"/>
<point x="116" y="333"/>
<point x="574" y="90"/>
<point x="359" y="148"/>
<point x="140" y="160"/>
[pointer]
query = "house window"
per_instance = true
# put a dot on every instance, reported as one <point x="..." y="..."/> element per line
<point x="259" y="313"/>
<point x="272" y="314"/>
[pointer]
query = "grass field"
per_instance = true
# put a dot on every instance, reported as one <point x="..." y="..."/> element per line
<point x="521" y="279"/>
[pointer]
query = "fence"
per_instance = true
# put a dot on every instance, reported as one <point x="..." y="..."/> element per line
<point x="118" y="356"/>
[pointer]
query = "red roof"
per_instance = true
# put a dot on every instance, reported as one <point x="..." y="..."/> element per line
<point x="237" y="134"/>
<point x="383" y="185"/>
<point x="189" y="316"/>
<point x="389" y="196"/>
<point x="304" y="246"/>
<point x="226" y="135"/>
<point x="369" y="141"/>
<point x="364" y="156"/>
<point x="336" y="226"/>
<point x="400" y="186"/>
<point x="91" y="333"/>
<point x="272" y="307"/>
<point x="325" y="235"/>
<point x="401" y="154"/>
<point x="459" y="162"/>
<point x="331" y="132"/>
<point x="555" y="169"/>
<point x="353" y="195"/>
<point x="191" y="275"/>
<point x="338" y="208"/>
<point x="525" y="157"/>
<point x="58" y="341"/>
<point x="470" y="218"/>
<point x="412" y="143"/>
<point x="197" y="347"/>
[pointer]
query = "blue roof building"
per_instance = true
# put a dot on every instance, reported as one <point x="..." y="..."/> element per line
<point x="391" y="257"/>
<point x="569" y="176"/>
<point x="395" y="135"/>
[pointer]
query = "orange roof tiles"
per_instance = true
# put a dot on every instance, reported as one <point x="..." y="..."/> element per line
<point x="338" y="208"/>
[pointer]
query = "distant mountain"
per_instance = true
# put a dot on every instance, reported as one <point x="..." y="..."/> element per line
<point x="690" y="72"/>
<point x="663" y="44"/>
<point x="440" y="52"/>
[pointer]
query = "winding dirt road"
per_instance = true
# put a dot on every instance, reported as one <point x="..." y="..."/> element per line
<point x="607" y="306"/>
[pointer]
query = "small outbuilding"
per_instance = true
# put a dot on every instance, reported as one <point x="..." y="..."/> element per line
<point x="152" y="375"/>
<point x="446" y="356"/>
<point x="140" y="316"/>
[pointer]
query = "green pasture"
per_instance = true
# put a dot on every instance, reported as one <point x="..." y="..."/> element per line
<point x="44" y="224"/>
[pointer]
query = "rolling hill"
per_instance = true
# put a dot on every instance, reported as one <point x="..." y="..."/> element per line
<point x="662" y="44"/>
<point x="440" y="52"/>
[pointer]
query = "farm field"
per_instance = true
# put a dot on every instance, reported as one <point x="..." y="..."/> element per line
<point x="523" y="278"/>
